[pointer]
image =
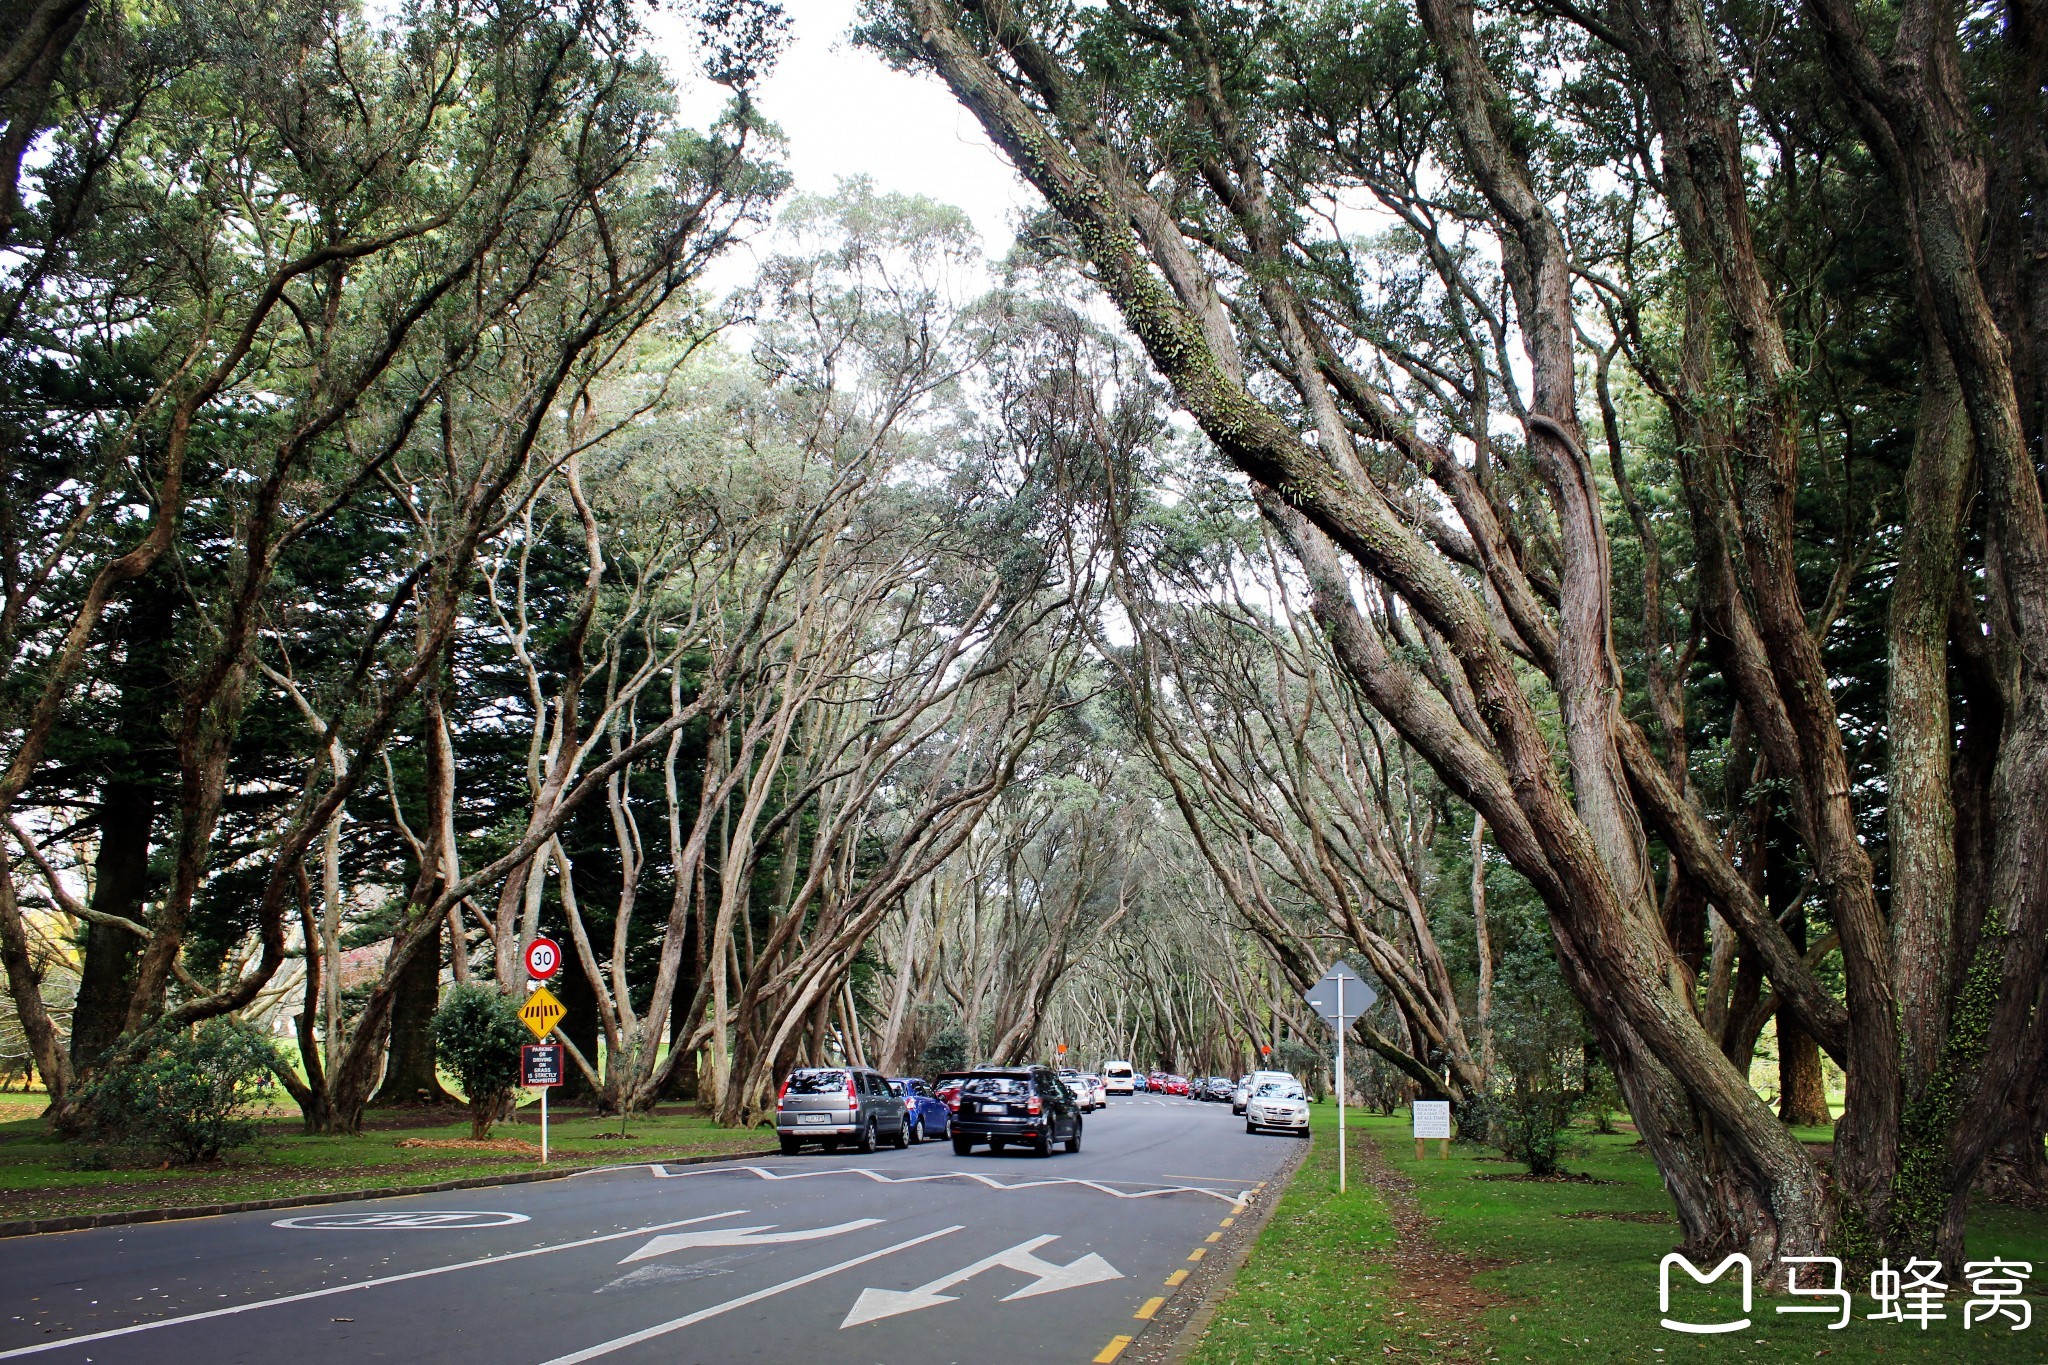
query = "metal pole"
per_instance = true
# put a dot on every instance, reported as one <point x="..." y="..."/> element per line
<point x="544" y="1124"/>
<point x="1340" y="1086"/>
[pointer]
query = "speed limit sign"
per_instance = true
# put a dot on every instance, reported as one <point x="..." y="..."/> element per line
<point x="543" y="958"/>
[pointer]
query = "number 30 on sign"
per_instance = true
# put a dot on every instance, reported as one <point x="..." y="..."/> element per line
<point x="543" y="958"/>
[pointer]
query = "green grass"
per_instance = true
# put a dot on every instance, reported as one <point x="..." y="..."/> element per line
<point x="1314" y="1286"/>
<point x="40" y="1177"/>
<point x="1571" y="1288"/>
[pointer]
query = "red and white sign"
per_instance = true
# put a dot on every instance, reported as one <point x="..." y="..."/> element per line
<point x="543" y="958"/>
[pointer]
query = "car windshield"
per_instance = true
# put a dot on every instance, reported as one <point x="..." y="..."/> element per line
<point x="1002" y="1086"/>
<point x="816" y="1082"/>
<point x="1279" y="1090"/>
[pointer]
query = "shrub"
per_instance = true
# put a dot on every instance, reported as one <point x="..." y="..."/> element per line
<point x="477" y="1034"/>
<point x="947" y="1051"/>
<point x="186" y="1096"/>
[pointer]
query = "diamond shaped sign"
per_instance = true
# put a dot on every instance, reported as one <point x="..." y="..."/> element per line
<point x="541" y="1012"/>
<point x="1357" y="997"/>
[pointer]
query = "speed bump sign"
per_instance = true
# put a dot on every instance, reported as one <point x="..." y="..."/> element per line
<point x="541" y="1012"/>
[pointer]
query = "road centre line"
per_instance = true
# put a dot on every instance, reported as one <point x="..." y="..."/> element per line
<point x="1235" y="1199"/>
<point x="692" y="1319"/>
<point x="377" y="1283"/>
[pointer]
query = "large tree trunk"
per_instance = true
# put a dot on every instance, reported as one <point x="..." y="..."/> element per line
<point x="410" y="1077"/>
<point x="112" y="954"/>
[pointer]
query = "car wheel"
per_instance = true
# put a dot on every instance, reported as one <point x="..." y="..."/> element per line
<point x="902" y="1134"/>
<point x="1304" y="1135"/>
<point x="790" y="1146"/>
<point x="1250" y="1127"/>
<point x="1074" y="1142"/>
<point x="916" y="1131"/>
<point x="962" y="1146"/>
<point x="1044" y="1145"/>
<point x="867" y="1139"/>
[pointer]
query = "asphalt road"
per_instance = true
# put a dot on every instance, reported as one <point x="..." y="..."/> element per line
<point x="904" y="1256"/>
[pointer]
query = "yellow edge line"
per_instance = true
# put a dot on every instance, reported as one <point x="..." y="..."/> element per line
<point x="1151" y="1306"/>
<point x="1197" y="1253"/>
<point x="1175" y="1278"/>
<point x="1111" y="1351"/>
<point x="1226" y="1222"/>
<point x="1213" y="1237"/>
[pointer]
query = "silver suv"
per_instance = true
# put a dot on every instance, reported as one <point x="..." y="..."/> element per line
<point x="835" y="1104"/>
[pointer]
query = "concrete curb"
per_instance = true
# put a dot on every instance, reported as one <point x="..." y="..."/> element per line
<point x="31" y="1227"/>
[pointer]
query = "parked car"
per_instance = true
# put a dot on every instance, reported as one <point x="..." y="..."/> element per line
<point x="1118" y="1078"/>
<point x="1087" y="1089"/>
<point x="925" y="1112"/>
<point x="1247" y="1084"/>
<point x="1155" y="1081"/>
<point x="1216" y="1088"/>
<point x="834" y="1104"/>
<point x="1098" y="1091"/>
<point x="1176" y="1085"/>
<point x="1025" y="1105"/>
<point x="1277" y="1104"/>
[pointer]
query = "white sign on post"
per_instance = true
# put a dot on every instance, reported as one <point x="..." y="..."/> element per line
<point x="1432" y="1118"/>
<point x="1340" y="997"/>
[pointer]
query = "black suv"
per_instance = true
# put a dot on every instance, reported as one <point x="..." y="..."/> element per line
<point x="1027" y="1105"/>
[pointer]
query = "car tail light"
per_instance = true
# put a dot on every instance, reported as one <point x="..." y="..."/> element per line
<point x="851" y="1093"/>
<point x="782" y="1092"/>
<point x="1034" y="1105"/>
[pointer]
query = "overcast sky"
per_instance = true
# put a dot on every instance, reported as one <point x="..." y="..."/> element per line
<point x="845" y="113"/>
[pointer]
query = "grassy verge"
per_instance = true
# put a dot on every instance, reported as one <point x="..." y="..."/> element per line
<point x="1313" y="1287"/>
<point x="1574" y="1272"/>
<point x="41" y="1177"/>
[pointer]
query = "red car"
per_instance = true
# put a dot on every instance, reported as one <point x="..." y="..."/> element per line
<point x="1176" y="1085"/>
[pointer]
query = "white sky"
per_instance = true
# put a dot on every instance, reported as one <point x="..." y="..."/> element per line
<point x="845" y="113"/>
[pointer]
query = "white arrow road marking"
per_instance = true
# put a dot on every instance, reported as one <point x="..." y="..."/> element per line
<point x="741" y="1237"/>
<point x="62" y="1342"/>
<point x="692" y="1319"/>
<point x="875" y="1304"/>
<point x="1023" y="1183"/>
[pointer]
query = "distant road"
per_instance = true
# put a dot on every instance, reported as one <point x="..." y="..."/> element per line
<point x="912" y="1256"/>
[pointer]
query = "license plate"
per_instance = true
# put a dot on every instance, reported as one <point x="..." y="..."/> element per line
<point x="813" y="1118"/>
<point x="993" y="1108"/>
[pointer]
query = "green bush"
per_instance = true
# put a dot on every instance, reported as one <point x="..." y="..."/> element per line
<point x="477" y="1035"/>
<point x="947" y="1051"/>
<point x="186" y="1096"/>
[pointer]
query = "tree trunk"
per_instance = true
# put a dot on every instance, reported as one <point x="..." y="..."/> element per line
<point x="112" y="954"/>
<point x="410" y="1077"/>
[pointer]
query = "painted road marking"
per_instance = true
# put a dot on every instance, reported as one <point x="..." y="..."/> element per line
<point x="1234" y="1199"/>
<point x="1151" y="1306"/>
<point x="1177" y="1278"/>
<point x="64" y="1342"/>
<point x="456" y="1221"/>
<point x="875" y="1304"/>
<point x="741" y="1237"/>
<point x="702" y="1314"/>
<point x="1212" y="1238"/>
<point x="1197" y="1254"/>
<point x="1111" y="1351"/>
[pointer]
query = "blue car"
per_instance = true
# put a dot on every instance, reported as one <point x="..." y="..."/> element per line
<point x="924" y="1114"/>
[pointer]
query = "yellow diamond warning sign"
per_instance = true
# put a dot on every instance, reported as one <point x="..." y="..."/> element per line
<point x="541" y="1012"/>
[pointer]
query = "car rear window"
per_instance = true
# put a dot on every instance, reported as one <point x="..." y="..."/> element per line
<point x="817" y="1082"/>
<point x="998" y="1086"/>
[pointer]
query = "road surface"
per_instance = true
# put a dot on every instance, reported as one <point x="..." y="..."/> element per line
<point x="916" y="1255"/>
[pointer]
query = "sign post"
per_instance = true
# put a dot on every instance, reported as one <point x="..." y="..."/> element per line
<point x="1341" y="997"/>
<point x="541" y="1013"/>
<point x="1433" y="1120"/>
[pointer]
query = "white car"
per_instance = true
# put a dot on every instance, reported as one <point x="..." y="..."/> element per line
<point x="1098" y="1093"/>
<point x="1118" y="1078"/>
<point x="1279" y="1105"/>
<point x="1249" y="1084"/>
<point x="1087" y="1089"/>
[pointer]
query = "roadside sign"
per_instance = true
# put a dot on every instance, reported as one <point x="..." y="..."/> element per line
<point x="1341" y="997"/>
<point x="541" y="1012"/>
<point x="540" y="1064"/>
<point x="543" y="958"/>
<point x="1063" y="1049"/>
<point x="1433" y="1120"/>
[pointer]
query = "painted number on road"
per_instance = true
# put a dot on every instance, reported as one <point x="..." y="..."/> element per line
<point x="439" y="1221"/>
